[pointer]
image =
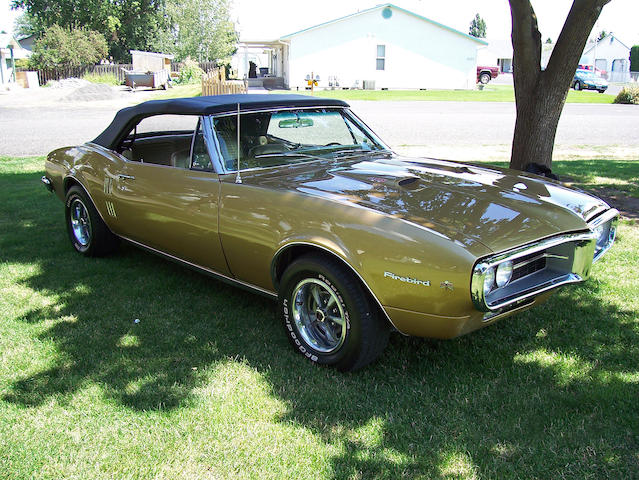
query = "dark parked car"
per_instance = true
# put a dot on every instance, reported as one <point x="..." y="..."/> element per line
<point x="587" y="80"/>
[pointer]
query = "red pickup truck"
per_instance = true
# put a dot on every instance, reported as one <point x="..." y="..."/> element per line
<point x="485" y="74"/>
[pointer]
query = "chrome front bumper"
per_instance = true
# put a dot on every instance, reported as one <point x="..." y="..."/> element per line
<point x="566" y="259"/>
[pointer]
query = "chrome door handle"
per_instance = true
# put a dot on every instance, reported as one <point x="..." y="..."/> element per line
<point x="126" y="177"/>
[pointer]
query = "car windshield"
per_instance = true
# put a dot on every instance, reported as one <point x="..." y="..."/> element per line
<point x="587" y="75"/>
<point x="291" y="136"/>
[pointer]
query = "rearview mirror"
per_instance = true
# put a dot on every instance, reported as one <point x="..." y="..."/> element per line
<point x="295" y="123"/>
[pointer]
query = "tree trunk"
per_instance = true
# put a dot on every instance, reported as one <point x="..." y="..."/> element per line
<point x="540" y="95"/>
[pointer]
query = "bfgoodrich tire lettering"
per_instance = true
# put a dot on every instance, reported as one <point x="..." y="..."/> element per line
<point x="328" y="316"/>
<point x="88" y="234"/>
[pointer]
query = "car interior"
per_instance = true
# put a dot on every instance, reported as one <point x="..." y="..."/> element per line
<point x="164" y="140"/>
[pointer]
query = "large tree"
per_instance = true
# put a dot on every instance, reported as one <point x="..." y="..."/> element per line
<point x="200" y="29"/>
<point x="540" y="94"/>
<point x="126" y="24"/>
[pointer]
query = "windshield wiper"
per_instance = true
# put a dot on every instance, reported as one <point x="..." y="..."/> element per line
<point x="288" y="154"/>
<point x="358" y="151"/>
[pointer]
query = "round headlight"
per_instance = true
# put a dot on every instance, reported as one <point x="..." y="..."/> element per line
<point x="612" y="233"/>
<point x="504" y="273"/>
<point x="489" y="280"/>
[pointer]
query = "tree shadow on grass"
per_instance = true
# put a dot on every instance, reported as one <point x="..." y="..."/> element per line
<point x="548" y="393"/>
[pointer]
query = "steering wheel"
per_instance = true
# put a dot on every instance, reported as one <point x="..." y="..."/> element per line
<point x="332" y="143"/>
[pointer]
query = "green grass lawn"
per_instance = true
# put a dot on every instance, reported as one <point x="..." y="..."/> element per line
<point x="205" y="385"/>
<point x="491" y="93"/>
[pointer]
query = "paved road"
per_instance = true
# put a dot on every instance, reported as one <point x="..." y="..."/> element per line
<point x="31" y="130"/>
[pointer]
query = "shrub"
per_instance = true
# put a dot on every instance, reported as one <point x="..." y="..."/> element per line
<point x="634" y="59"/>
<point x="62" y="48"/>
<point x="628" y="95"/>
<point x="189" y="73"/>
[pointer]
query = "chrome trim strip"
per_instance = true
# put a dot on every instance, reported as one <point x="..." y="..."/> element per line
<point x="272" y="108"/>
<point x="208" y="271"/>
<point x="519" y="252"/>
<point x="597" y="211"/>
<point x="603" y="218"/>
<point x="284" y="247"/>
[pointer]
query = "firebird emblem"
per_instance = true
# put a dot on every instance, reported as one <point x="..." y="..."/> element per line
<point x="413" y="281"/>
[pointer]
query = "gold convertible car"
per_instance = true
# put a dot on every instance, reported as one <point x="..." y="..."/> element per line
<point x="296" y="198"/>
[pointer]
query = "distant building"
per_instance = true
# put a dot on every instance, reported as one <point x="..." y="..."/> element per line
<point x="381" y="47"/>
<point x="610" y="55"/>
<point x="6" y="68"/>
<point x="499" y="53"/>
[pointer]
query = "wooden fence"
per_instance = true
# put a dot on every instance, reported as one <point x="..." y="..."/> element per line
<point x="215" y="83"/>
<point x="111" y="69"/>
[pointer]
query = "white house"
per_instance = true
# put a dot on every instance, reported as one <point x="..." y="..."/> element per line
<point x="381" y="47"/>
<point x="611" y="55"/>
<point x="9" y="47"/>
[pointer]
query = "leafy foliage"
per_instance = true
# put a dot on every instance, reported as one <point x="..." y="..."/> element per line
<point x="189" y="73"/>
<point x="197" y="28"/>
<point x="128" y="24"/>
<point x="628" y="95"/>
<point x="200" y="29"/>
<point x="477" y="27"/>
<point x="634" y="58"/>
<point x="62" y="48"/>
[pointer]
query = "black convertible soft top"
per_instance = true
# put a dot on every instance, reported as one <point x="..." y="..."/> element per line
<point x="126" y="118"/>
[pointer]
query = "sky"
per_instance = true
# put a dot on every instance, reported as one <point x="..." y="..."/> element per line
<point x="270" y="19"/>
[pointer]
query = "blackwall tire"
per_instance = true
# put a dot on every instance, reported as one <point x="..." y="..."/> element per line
<point x="328" y="316"/>
<point x="484" y="78"/>
<point x="88" y="233"/>
<point x="577" y="86"/>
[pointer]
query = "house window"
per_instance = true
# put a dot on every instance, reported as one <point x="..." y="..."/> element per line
<point x="381" y="57"/>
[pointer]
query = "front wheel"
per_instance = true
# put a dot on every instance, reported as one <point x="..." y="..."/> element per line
<point x="328" y="316"/>
<point x="87" y="231"/>
<point x="577" y="86"/>
<point x="484" y="78"/>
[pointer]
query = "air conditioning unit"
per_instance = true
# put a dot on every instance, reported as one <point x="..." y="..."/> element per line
<point x="368" y="84"/>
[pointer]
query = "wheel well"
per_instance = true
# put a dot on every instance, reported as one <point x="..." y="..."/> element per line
<point x="290" y="254"/>
<point x="70" y="182"/>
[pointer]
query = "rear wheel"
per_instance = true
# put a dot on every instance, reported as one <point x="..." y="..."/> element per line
<point x="484" y="78"/>
<point x="328" y="316"/>
<point x="89" y="235"/>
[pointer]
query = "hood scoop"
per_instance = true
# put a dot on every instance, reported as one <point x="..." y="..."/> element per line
<point x="410" y="183"/>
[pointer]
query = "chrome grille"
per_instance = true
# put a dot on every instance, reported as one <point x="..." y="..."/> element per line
<point x="529" y="264"/>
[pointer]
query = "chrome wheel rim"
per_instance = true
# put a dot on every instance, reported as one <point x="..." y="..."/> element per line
<point x="80" y="223"/>
<point x="319" y="315"/>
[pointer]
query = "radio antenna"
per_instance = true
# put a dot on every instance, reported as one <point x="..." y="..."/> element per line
<point x="238" y="177"/>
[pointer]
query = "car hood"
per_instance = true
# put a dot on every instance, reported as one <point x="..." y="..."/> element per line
<point x="467" y="203"/>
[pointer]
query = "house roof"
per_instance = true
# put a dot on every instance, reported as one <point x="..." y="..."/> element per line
<point x="388" y="5"/>
<point x="126" y="118"/>
<point x="605" y="38"/>
<point x="151" y="54"/>
<point x="6" y="39"/>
